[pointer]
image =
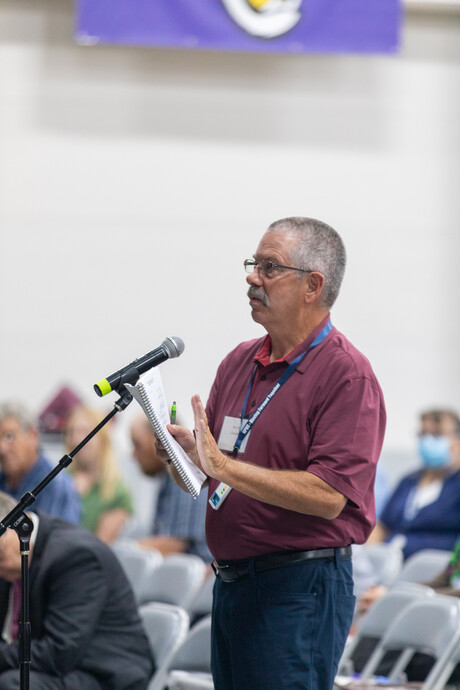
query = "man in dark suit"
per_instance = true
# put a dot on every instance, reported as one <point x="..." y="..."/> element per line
<point x="85" y="629"/>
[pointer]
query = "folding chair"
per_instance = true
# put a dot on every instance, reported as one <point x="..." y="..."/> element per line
<point x="444" y="674"/>
<point x="177" y="581"/>
<point x="387" y="560"/>
<point x="166" y="627"/>
<point x="430" y="625"/>
<point x="424" y="565"/>
<point x="190" y="666"/>
<point x="373" y="625"/>
<point x="376" y="564"/>
<point x="199" y="681"/>
<point x="139" y="564"/>
<point x="202" y="603"/>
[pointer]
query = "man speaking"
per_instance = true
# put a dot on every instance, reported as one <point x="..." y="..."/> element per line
<point x="290" y="440"/>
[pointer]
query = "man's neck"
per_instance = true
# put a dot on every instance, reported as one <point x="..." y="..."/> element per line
<point x="15" y="479"/>
<point x="284" y="342"/>
<point x="13" y="482"/>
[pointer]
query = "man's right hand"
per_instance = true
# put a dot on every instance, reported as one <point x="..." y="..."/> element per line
<point x="184" y="438"/>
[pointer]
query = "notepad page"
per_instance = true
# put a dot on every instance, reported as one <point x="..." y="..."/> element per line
<point x="151" y="385"/>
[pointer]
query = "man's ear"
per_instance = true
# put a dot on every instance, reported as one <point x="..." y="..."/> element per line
<point x="314" y="287"/>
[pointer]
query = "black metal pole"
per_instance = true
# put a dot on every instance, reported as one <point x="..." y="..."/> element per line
<point x="23" y="528"/>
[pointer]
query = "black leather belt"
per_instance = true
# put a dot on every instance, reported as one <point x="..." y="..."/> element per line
<point x="235" y="570"/>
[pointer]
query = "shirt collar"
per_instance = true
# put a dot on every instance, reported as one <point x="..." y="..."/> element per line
<point x="263" y="355"/>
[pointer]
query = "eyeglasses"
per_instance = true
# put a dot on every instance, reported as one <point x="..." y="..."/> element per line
<point x="267" y="267"/>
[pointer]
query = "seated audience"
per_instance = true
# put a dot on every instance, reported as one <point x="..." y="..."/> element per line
<point x="179" y="521"/>
<point x="85" y="628"/>
<point x="423" y="511"/>
<point x="23" y="466"/>
<point x="447" y="582"/>
<point x="106" y="500"/>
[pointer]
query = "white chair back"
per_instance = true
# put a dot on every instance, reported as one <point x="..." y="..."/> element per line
<point x="430" y="625"/>
<point x="424" y="565"/>
<point x="374" y="624"/>
<point x="139" y="564"/>
<point x="166" y="627"/>
<point x="190" y="666"/>
<point x="177" y="581"/>
<point x="202" y="603"/>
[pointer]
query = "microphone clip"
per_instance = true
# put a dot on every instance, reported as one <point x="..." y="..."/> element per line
<point x="130" y="376"/>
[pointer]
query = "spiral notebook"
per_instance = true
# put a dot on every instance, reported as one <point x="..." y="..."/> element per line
<point x="150" y="395"/>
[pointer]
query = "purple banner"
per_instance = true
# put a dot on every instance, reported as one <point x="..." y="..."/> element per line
<point x="288" y="26"/>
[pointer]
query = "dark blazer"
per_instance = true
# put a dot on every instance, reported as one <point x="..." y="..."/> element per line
<point x="82" y="611"/>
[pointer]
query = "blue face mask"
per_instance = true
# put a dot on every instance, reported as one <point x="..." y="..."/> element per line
<point x="434" y="450"/>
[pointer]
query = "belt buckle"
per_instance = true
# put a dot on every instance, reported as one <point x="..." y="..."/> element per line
<point x="218" y="568"/>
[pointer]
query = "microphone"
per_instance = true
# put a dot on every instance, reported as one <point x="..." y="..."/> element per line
<point x="169" y="348"/>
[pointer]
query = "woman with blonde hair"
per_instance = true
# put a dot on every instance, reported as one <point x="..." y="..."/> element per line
<point x="106" y="500"/>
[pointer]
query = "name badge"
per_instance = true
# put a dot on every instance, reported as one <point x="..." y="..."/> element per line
<point x="219" y="495"/>
<point x="227" y="438"/>
<point x="229" y="434"/>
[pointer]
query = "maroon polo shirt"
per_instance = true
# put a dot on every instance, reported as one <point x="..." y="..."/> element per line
<point x="328" y="419"/>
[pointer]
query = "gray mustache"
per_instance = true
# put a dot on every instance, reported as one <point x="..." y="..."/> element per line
<point x="258" y="293"/>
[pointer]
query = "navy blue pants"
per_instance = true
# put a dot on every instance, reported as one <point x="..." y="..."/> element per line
<point x="282" y="629"/>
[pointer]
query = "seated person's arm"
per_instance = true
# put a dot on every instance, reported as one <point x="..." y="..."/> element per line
<point x="369" y="596"/>
<point x="164" y="543"/>
<point x="441" y="583"/>
<point x="378" y="534"/>
<point x="111" y="523"/>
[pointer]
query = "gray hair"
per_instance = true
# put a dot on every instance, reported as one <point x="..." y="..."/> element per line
<point x="19" y="412"/>
<point x="319" y="248"/>
<point x="7" y="503"/>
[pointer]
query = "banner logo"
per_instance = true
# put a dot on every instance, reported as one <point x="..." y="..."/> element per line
<point x="264" y="18"/>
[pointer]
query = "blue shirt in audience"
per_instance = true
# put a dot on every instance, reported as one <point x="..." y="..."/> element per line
<point x="433" y="526"/>
<point x="58" y="498"/>
<point x="180" y="515"/>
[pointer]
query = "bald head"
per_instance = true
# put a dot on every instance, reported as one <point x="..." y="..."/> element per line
<point x="144" y="451"/>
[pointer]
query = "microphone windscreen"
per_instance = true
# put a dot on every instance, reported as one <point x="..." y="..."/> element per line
<point x="174" y="346"/>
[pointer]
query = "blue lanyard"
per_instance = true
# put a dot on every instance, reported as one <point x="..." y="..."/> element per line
<point x="246" y="428"/>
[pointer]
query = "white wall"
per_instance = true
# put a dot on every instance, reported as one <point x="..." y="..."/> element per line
<point x="134" y="181"/>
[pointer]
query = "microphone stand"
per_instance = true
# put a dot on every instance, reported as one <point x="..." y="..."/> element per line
<point x="23" y="526"/>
